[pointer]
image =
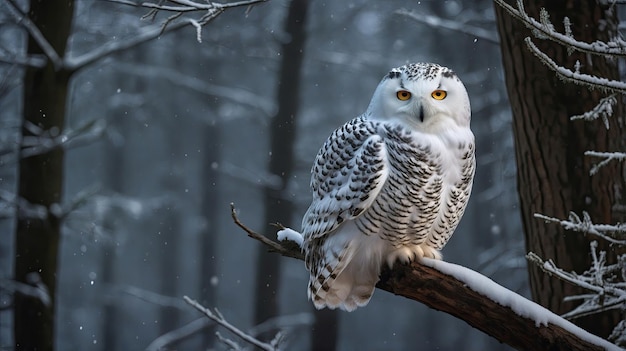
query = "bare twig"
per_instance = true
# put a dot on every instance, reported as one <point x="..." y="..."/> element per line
<point x="216" y="316"/>
<point x="34" y="288"/>
<point x="165" y="341"/>
<point x="152" y="297"/>
<point x="438" y="22"/>
<point x="273" y="246"/>
<point x="36" y="34"/>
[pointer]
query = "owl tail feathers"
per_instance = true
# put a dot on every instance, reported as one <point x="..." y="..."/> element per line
<point x="347" y="298"/>
<point x="346" y="286"/>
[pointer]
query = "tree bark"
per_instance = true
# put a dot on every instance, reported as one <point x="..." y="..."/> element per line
<point x="278" y="206"/>
<point x="41" y="178"/>
<point x="553" y="173"/>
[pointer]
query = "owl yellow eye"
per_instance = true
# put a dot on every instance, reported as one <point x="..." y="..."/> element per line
<point x="439" y="94"/>
<point x="403" y="95"/>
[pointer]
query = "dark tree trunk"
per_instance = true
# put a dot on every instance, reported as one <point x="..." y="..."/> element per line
<point x="278" y="206"/>
<point x="41" y="179"/>
<point x="553" y="173"/>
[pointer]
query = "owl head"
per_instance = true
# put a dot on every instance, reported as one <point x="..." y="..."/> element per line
<point x="427" y="96"/>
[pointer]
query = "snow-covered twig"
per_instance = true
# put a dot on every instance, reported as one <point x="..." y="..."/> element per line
<point x="165" y="341"/>
<point x="609" y="232"/>
<point x="603" y="281"/>
<point x="608" y="157"/>
<point x="543" y="29"/>
<point x="604" y="110"/>
<point x="437" y="22"/>
<point x="217" y="317"/>
<point x="593" y="82"/>
<point x="180" y="7"/>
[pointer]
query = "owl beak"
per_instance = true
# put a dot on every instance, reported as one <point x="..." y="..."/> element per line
<point x="421" y="113"/>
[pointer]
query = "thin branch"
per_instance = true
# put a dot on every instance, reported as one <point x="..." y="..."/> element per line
<point x="34" y="288"/>
<point x="154" y="31"/>
<point x="607" y="156"/>
<point x="152" y="297"/>
<point x="544" y="30"/>
<point x="604" y="110"/>
<point x="438" y="22"/>
<point x="567" y="75"/>
<point x="146" y="34"/>
<point x="600" y="280"/>
<point x="237" y="95"/>
<point x="607" y="232"/>
<point x="284" y="250"/>
<point x="43" y="141"/>
<point x="219" y="319"/>
<point x="165" y="341"/>
<point x="36" y="34"/>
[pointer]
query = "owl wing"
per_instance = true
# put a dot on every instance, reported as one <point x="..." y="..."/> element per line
<point x="349" y="172"/>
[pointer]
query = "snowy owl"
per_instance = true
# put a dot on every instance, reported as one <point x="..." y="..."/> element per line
<point x="389" y="185"/>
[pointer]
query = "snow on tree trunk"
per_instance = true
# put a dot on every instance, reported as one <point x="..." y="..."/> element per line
<point x="553" y="171"/>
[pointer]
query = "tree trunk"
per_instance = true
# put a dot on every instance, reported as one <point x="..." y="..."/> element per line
<point x="278" y="206"/>
<point x="41" y="179"/>
<point x="553" y="173"/>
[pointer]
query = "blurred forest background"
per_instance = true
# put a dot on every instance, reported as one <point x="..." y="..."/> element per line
<point x="164" y="135"/>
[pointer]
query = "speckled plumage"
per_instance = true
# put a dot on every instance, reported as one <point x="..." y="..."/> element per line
<point x="389" y="185"/>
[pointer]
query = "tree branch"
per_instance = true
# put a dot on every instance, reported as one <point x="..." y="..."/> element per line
<point x="543" y="29"/>
<point x="472" y="297"/>
<point x="36" y="34"/>
<point x="213" y="10"/>
<point x="592" y="82"/>
<point x="217" y="317"/>
<point x="437" y="22"/>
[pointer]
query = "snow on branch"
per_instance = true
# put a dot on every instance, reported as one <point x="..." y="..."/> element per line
<point x="592" y="82"/>
<point x="438" y="22"/>
<point x="615" y="234"/>
<point x="607" y="156"/>
<point x="543" y="29"/>
<point x="471" y="297"/>
<point x="209" y="9"/>
<point x="604" y="110"/>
